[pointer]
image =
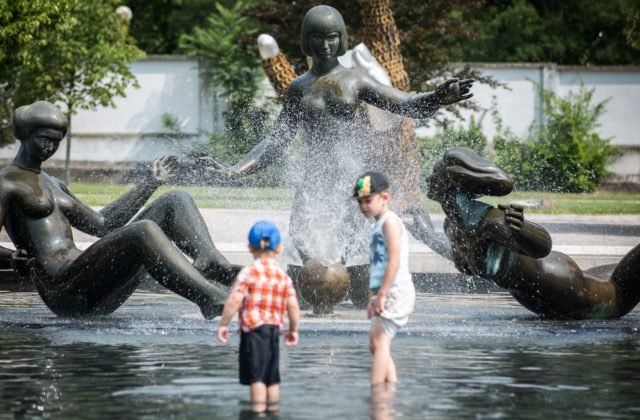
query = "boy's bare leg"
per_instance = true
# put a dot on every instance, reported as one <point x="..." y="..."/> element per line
<point x="392" y="376"/>
<point x="273" y="398"/>
<point x="258" y="397"/>
<point x="381" y="349"/>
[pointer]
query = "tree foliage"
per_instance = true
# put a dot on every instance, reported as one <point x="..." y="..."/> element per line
<point x="573" y="32"/>
<point x="565" y="153"/>
<point x="157" y="25"/>
<point x="225" y="44"/>
<point x="230" y="65"/>
<point x="72" y="51"/>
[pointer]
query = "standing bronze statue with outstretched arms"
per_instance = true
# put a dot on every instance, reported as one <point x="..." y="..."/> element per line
<point x="324" y="105"/>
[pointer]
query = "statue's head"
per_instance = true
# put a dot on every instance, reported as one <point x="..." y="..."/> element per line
<point x="323" y="20"/>
<point x="462" y="170"/>
<point x="40" y="115"/>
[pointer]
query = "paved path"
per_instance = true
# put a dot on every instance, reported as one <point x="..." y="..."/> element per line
<point x="590" y="240"/>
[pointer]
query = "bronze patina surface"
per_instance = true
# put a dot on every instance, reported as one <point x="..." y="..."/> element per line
<point x="38" y="212"/>
<point x="498" y="244"/>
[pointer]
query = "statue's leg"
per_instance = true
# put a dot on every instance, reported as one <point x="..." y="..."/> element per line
<point x="627" y="280"/>
<point x="356" y="253"/>
<point x="422" y="229"/>
<point x="359" y="285"/>
<point x="176" y="214"/>
<point x="299" y="226"/>
<point x="109" y="265"/>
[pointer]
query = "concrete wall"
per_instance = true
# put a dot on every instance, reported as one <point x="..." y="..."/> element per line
<point x="519" y="104"/>
<point x="133" y="131"/>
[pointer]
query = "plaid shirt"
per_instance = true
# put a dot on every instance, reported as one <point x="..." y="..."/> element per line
<point x="266" y="289"/>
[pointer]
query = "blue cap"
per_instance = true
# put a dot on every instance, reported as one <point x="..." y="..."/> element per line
<point x="267" y="231"/>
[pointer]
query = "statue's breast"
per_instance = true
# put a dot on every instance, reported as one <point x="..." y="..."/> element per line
<point x="329" y="96"/>
<point x="30" y="194"/>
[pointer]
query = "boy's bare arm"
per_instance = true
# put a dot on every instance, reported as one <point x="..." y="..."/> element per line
<point x="231" y="307"/>
<point x="293" y="312"/>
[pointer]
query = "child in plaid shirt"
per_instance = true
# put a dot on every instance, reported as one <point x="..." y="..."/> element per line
<point x="261" y="295"/>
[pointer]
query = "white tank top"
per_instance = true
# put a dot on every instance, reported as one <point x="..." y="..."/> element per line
<point x="379" y="254"/>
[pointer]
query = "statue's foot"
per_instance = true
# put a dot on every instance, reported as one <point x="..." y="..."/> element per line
<point x="223" y="274"/>
<point x="210" y="311"/>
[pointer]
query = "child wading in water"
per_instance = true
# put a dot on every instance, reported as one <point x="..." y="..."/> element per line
<point x="261" y="295"/>
<point x="391" y="292"/>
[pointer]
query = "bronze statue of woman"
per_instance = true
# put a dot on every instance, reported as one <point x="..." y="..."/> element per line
<point x="38" y="212"/>
<point x="325" y="106"/>
<point x="499" y="245"/>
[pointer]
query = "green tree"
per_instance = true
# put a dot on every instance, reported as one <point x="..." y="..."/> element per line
<point x="632" y="27"/>
<point x="26" y="30"/>
<point x="79" y="55"/>
<point x="226" y="47"/>
<point x="230" y="64"/>
<point x="573" y="32"/>
<point x="158" y="24"/>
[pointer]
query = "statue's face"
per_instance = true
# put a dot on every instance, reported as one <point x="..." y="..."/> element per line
<point x="324" y="45"/>
<point x="43" y="143"/>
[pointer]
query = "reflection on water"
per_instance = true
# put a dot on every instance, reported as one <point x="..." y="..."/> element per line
<point x="463" y="356"/>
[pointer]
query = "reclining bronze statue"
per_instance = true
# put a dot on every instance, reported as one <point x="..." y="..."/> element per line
<point x="498" y="244"/>
<point x="38" y="211"/>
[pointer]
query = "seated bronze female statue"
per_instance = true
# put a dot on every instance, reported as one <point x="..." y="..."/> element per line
<point x="38" y="212"/>
<point x="499" y="245"/>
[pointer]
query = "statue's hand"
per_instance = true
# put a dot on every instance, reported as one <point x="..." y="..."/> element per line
<point x="20" y="262"/>
<point x="217" y="168"/>
<point x="514" y="216"/>
<point x="454" y="90"/>
<point x="164" y="167"/>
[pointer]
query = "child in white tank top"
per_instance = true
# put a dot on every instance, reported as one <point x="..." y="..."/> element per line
<point x="391" y="291"/>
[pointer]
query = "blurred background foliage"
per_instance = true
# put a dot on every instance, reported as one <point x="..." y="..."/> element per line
<point x="222" y="34"/>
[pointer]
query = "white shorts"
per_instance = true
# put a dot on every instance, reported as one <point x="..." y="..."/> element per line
<point x="389" y="327"/>
<point x="399" y="305"/>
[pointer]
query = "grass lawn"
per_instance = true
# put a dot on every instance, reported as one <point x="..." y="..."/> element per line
<point x="280" y="199"/>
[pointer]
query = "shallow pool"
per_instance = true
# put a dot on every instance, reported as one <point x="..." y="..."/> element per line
<point x="462" y="356"/>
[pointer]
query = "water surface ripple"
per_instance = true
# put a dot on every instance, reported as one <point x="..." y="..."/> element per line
<point x="462" y="356"/>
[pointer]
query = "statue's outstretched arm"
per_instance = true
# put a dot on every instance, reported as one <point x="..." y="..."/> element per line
<point x="414" y="105"/>
<point x="269" y="150"/>
<point x="507" y="226"/>
<point x="122" y="210"/>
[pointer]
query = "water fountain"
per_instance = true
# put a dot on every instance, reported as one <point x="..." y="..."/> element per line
<point x="460" y="355"/>
<point x="327" y="105"/>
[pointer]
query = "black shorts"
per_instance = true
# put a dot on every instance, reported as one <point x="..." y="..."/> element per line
<point x="260" y="355"/>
